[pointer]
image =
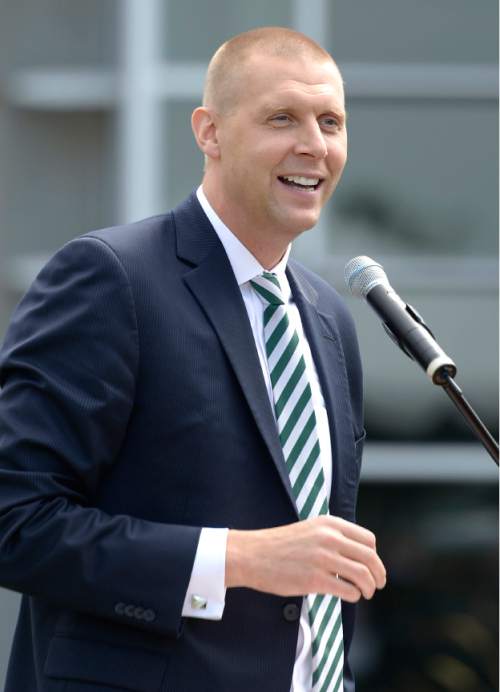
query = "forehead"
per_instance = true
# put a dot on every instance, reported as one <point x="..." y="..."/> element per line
<point x="273" y="80"/>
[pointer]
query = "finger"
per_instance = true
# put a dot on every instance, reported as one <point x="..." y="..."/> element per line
<point x="363" y="555"/>
<point x="343" y="589"/>
<point x="357" y="533"/>
<point x="358" y="575"/>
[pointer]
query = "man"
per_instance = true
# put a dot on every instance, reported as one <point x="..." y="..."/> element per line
<point x="181" y="407"/>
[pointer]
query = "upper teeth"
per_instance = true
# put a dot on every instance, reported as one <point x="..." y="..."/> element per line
<point x="300" y="180"/>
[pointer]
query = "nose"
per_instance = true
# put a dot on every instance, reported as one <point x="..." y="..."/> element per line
<point x="311" y="141"/>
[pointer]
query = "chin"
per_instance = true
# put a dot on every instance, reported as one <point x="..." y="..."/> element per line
<point x="293" y="223"/>
<point x="304" y="223"/>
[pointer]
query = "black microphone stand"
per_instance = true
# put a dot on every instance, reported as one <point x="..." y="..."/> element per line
<point x="475" y="423"/>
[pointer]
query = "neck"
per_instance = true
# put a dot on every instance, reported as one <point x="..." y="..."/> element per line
<point x="267" y="254"/>
<point x="266" y="245"/>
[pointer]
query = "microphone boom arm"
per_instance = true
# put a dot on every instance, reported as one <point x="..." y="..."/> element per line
<point x="475" y="423"/>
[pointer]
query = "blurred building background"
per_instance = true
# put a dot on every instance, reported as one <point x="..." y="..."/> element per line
<point x="95" y="99"/>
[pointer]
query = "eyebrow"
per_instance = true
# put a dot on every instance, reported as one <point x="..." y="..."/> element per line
<point x="270" y="108"/>
<point x="279" y="106"/>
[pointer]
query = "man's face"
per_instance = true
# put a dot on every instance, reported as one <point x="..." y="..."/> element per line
<point x="283" y="147"/>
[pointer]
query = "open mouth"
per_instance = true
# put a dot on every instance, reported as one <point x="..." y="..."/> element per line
<point x="300" y="182"/>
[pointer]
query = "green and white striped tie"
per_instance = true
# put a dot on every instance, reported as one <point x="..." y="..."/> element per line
<point x="298" y="434"/>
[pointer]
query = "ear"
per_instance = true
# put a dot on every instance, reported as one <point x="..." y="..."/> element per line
<point x="204" y="126"/>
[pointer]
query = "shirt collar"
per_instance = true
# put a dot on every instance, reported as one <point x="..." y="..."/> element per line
<point x="245" y="266"/>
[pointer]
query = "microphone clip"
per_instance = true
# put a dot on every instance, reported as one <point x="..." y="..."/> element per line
<point x="418" y="318"/>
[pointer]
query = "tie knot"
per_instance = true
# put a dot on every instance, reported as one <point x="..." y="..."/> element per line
<point x="268" y="288"/>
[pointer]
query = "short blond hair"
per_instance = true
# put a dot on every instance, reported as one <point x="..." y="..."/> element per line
<point x="225" y="74"/>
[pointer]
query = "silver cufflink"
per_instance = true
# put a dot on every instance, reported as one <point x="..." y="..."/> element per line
<point x="198" y="602"/>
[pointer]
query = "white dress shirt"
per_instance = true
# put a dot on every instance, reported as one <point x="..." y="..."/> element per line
<point x="206" y="592"/>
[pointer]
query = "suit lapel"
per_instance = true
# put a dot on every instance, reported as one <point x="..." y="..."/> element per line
<point x="324" y="341"/>
<point x="211" y="281"/>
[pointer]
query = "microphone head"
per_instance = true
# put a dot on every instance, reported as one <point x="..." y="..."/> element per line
<point x="362" y="274"/>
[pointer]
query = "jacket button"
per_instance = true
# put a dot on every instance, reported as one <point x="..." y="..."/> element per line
<point x="149" y="615"/>
<point x="120" y="608"/>
<point x="129" y="610"/>
<point x="138" y="612"/>
<point x="291" y="612"/>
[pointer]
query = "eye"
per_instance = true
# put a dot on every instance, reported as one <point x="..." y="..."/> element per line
<point x="280" y="119"/>
<point x="331" y="122"/>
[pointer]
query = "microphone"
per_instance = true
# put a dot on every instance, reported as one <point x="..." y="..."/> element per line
<point x="367" y="279"/>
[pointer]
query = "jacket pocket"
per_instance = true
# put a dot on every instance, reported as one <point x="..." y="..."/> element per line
<point x="355" y="469"/>
<point x="134" y="669"/>
<point x="359" y="444"/>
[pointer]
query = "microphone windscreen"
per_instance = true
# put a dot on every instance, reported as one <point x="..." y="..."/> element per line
<point x="362" y="274"/>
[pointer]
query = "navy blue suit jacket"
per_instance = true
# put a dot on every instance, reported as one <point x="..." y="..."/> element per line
<point x="133" y="412"/>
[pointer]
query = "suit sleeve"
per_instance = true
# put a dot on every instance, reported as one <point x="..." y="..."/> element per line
<point x="67" y="377"/>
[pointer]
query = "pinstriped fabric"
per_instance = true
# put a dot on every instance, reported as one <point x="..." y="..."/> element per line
<point x="298" y="434"/>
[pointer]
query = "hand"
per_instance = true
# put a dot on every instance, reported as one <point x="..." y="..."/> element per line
<point x="321" y="555"/>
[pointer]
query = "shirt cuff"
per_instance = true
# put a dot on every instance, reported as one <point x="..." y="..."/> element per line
<point x="206" y="592"/>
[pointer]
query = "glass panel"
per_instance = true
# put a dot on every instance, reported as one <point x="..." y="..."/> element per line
<point x="53" y="33"/>
<point x="193" y="29"/>
<point x="59" y="180"/>
<point x="434" y="627"/>
<point x="421" y="177"/>
<point x="409" y="31"/>
<point x="182" y="161"/>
